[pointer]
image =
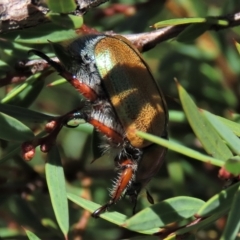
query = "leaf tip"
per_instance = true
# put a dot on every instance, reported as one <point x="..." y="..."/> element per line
<point x="177" y="83"/>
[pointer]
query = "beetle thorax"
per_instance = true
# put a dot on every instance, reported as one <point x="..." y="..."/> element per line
<point x="83" y="64"/>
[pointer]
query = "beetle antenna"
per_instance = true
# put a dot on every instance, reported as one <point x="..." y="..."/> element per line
<point x="52" y="63"/>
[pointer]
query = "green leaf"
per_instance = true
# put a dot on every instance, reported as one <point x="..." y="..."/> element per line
<point x="57" y="82"/>
<point x="176" y="116"/>
<point x="28" y="95"/>
<point x="168" y="211"/>
<point x="181" y="149"/>
<point x="201" y="224"/>
<point x="235" y="127"/>
<point x="237" y="45"/>
<point x="231" y="139"/>
<point x="24" y="113"/>
<point x="206" y="134"/>
<point x="67" y="21"/>
<point x="41" y="34"/>
<point x="192" y="32"/>
<point x="31" y="235"/>
<point x="180" y="21"/>
<point x="219" y="202"/>
<point x="18" y="89"/>
<point x="233" y="223"/>
<point x="61" y="6"/>
<point x="7" y="232"/>
<point x="114" y="217"/>
<point x="13" y="130"/>
<point x="232" y="165"/>
<point x="49" y="223"/>
<point x="57" y="189"/>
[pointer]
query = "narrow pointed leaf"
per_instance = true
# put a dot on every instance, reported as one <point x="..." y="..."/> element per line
<point x="62" y="6"/>
<point x="57" y="82"/>
<point x="233" y="223"/>
<point x="192" y="32"/>
<point x="31" y="235"/>
<point x="114" y="217"/>
<point x="180" y="21"/>
<point x="41" y="34"/>
<point x="18" y="89"/>
<point x="206" y="134"/>
<point x="13" y="130"/>
<point x="232" y="165"/>
<point x="181" y="149"/>
<point x="24" y="114"/>
<point x="166" y="212"/>
<point x="67" y="21"/>
<point x="237" y="45"/>
<point x="28" y="95"/>
<point x="230" y="138"/>
<point x="56" y="185"/>
<point x="219" y="202"/>
<point x="201" y="224"/>
<point x="235" y="127"/>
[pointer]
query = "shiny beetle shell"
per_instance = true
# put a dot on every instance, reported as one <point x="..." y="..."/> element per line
<point x="122" y="97"/>
<point x="131" y="89"/>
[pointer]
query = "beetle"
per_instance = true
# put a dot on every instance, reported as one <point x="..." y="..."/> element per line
<point x="121" y="98"/>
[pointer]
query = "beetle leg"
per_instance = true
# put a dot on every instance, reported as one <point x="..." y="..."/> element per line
<point x="104" y="124"/>
<point x="128" y="168"/>
<point x="85" y="90"/>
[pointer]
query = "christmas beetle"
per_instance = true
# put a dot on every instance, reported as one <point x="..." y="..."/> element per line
<point x="121" y="97"/>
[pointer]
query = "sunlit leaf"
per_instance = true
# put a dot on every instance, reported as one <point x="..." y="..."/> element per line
<point x="181" y="149"/>
<point x="237" y="46"/>
<point x="27" y="85"/>
<point x="219" y="202"/>
<point x="168" y="211"/>
<point x="56" y="185"/>
<point x="179" y="21"/>
<point x="41" y="34"/>
<point x="61" y="6"/>
<point x="206" y="134"/>
<point x="231" y="139"/>
<point x="232" y="165"/>
<point x="31" y="235"/>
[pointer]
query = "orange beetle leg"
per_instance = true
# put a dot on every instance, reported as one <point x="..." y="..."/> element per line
<point x="85" y="90"/>
<point x="106" y="130"/>
<point x="128" y="168"/>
